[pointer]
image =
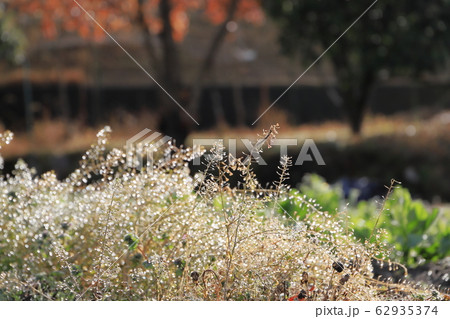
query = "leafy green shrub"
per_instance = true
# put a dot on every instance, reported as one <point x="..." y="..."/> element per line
<point x="410" y="223"/>
<point x="417" y="233"/>
<point x="328" y="197"/>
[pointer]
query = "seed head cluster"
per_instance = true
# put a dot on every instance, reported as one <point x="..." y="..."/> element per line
<point x="113" y="232"/>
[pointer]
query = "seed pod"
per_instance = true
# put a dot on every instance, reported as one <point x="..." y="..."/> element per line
<point x="195" y="276"/>
<point x="137" y="258"/>
<point x="98" y="295"/>
<point x="302" y="294"/>
<point x="338" y="266"/>
<point x="351" y="264"/>
<point x="354" y="264"/>
<point x="177" y="262"/>
<point x="45" y="234"/>
<point x="305" y="278"/>
<point x="344" y="279"/>
<point x="280" y="288"/>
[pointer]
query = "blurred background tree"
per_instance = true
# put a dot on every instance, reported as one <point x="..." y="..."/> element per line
<point x="12" y="40"/>
<point x="217" y="60"/>
<point x="163" y="23"/>
<point x="12" y="51"/>
<point x="395" y="38"/>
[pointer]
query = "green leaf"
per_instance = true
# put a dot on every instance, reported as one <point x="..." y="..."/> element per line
<point x="413" y="240"/>
<point x="179" y="272"/>
<point x="431" y="218"/>
<point x="132" y="241"/>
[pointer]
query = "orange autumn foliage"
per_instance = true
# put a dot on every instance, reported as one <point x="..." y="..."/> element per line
<point x="114" y="15"/>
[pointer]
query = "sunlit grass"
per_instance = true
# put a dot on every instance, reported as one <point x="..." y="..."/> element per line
<point x="112" y="232"/>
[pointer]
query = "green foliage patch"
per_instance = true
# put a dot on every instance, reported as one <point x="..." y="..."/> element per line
<point x="417" y="232"/>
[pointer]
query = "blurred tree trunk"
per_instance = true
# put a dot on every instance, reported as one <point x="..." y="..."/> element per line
<point x="264" y="99"/>
<point x="355" y="81"/>
<point x="148" y="38"/>
<point x="208" y="62"/>
<point x="171" y="62"/>
<point x="83" y="101"/>
<point x="27" y="97"/>
<point x="217" y="107"/>
<point x="238" y="103"/>
<point x="172" y="123"/>
<point x="97" y="86"/>
<point x="165" y="68"/>
<point x="63" y="99"/>
<point x="356" y="97"/>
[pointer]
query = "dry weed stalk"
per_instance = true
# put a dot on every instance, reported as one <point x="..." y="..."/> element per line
<point x="167" y="235"/>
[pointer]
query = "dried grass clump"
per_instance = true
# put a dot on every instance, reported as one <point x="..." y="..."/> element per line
<point x="111" y="232"/>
